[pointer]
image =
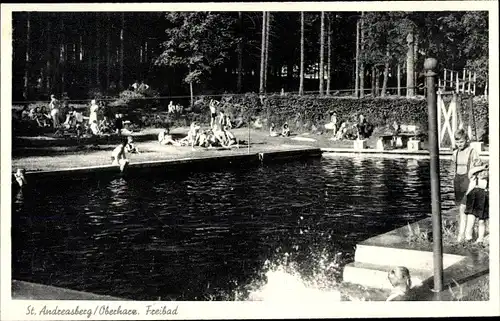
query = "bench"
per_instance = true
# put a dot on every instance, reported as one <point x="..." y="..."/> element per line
<point x="401" y="140"/>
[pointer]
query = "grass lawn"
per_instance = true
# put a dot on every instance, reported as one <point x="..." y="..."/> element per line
<point x="44" y="153"/>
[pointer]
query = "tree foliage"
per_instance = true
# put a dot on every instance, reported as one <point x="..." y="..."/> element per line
<point x="197" y="41"/>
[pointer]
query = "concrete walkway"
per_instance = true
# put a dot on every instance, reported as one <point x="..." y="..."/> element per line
<point x="411" y="246"/>
<point x="22" y="290"/>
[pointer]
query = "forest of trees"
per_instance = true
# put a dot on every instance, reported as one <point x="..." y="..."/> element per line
<point x="178" y="53"/>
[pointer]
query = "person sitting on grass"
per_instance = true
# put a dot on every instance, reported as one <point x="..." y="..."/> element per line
<point x="105" y="126"/>
<point x="285" y="130"/>
<point x="94" y="128"/>
<point x="118" y="156"/>
<point x="477" y="200"/>
<point x="192" y="136"/>
<point x="164" y="138"/>
<point x="230" y="138"/>
<point x="25" y="113"/>
<point x="272" y="131"/>
<point x="219" y="135"/>
<point x="340" y="135"/>
<point x="400" y="280"/>
<point x="45" y="117"/>
<point x="130" y="147"/>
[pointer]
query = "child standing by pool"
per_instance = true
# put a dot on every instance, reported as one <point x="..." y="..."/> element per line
<point x="213" y="112"/>
<point x="462" y="159"/>
<point x="477" y="204"/>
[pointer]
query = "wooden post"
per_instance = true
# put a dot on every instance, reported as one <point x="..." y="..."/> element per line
<point x="457" y="84"/>
<point x="474" y="84"/>
<point x="437" y="245"/>
<point x="463" y="80"/>
<point x="444" y="80"/>
<point x="356" y="72"/>
<point x="399" y="80"/>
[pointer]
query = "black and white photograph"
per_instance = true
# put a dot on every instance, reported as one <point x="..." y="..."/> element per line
<point x="157" y="156"/>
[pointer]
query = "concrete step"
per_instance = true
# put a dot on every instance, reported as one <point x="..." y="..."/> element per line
<point x="375" y="276"/>
<point x="391" y="256"/>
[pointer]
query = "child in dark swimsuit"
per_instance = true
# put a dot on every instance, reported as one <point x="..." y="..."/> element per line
<point x="463" y="157"/>
<point x="477" y="204"/>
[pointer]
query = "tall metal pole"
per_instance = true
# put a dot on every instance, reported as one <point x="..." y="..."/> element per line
<point x="430" y="65"/>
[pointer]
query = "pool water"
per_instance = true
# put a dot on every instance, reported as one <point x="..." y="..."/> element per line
<point x="218" y="235"/>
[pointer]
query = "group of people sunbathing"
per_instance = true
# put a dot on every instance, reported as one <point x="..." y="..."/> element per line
<point x="357" y="130"/>
<point x="285" y="130"/>
<point x="211" y="137"/>
<point x="66" y="120"/>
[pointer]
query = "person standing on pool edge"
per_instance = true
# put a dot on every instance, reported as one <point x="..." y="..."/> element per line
<point x="463" y="158"/>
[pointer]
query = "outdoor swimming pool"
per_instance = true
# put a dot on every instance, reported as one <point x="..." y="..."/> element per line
<point x="213" y="235"/>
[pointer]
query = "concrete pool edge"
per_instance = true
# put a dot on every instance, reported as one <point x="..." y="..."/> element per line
<point x="444" y="154"/>
<point x="22" y="290"/>
<point x="253" y="158"/>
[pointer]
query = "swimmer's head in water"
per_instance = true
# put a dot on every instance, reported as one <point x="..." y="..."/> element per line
<point x="400" y="277"/>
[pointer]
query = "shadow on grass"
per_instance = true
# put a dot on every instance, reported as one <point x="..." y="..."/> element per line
<point x="57" y="151"/>
<point x="47" y="141"/>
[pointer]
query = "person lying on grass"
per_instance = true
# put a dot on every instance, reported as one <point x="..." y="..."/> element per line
<point x="131" y="147"/>
<point x="164" y="138"/>
<point x="272" y="131"/>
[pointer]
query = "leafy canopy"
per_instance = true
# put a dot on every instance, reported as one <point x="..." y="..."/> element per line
<point x="197" y="41"/>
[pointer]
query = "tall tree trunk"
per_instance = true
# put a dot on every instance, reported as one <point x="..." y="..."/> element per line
<point x="48" y="72"/>
<point x="329" y="57"/>
<point x="356" y="72"/>
<point x="399" y="79"/>
<point x="108" y="53"/>
<point x="361" y="63"/>
<point x="410" y="70"/>
<point x="121" y="49"/>
<point x="62" y="63"/>
<point x="415" y="60"/>
<point x="239" y="84"/>
<point x="386" y="73"/>
<point x="266" y="52"/>
<point x="301" y="85"/>
<point x="262" y="53"/>
<point x="377" y="82"/>
<point x="322" y="54"/>
<point x="98" y="54"/>
<point x="27" y="65"/>
<point x="374" y="76"/>
<point x="90" y="66"/>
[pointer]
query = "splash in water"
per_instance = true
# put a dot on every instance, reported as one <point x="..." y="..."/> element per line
<point x="285" y="279"/>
